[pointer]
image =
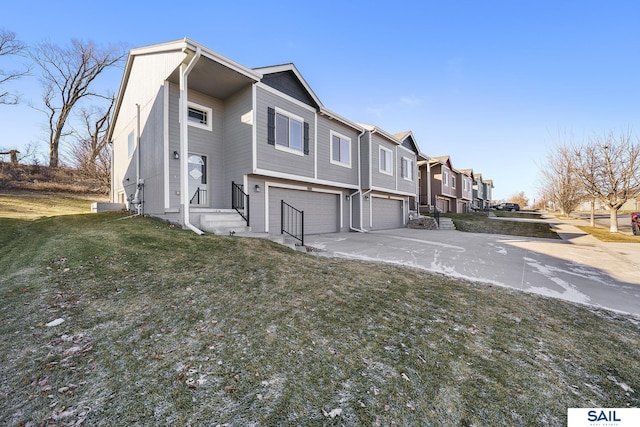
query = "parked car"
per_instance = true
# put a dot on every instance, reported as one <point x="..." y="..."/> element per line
<point x="508" y="207"/>
<point x="635" y="223"/>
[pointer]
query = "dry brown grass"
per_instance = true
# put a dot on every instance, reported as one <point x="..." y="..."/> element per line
<point x="45" y="179"/>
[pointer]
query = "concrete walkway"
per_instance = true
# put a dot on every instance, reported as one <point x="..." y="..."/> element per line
<point x="578" y="268"/>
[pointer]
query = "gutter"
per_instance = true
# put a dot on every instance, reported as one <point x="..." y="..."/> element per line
<point x="184" y="142"/>
<point x="136" y="198"/>
<point x="351" y="227"/>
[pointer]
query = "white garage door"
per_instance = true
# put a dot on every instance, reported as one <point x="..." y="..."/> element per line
<point x="321" y="210"/>
<point x="387" y="213"/>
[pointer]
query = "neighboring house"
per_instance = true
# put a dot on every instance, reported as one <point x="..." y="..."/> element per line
<point x="482" y="192"/>
<point x="195" y="135"/>
<point x="465" y="190"/>
<point x="488" y="191"/>
<point x="442" y="183"/>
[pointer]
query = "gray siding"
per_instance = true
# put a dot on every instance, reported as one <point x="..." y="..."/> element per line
<point x="405" y="185"/>
<point x="365" y="165"/>
<point x="201" y="141"/>
<point x="152" y="157"/>
<point x="272" y="159"/>
<point x="174" y="145"/>
<point x="209" y="143"/>
<point x="327" y="170"/>
<point x="238" y="139"/>
<point x="379" y="179"/>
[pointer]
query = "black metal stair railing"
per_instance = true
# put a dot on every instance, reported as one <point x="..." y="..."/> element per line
<point x="240" y="201"/>
<point x="291" y="221"/>
<point x="199" y="197"/>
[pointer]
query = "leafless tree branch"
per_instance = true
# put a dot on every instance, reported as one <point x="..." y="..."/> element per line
<point x="67" y="76"/>
<point x="10" y="46"/>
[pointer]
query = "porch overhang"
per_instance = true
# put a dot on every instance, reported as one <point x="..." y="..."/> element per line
<point x="215" y="75"/>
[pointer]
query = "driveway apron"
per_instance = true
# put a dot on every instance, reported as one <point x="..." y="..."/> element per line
<point x="578" y="268"/>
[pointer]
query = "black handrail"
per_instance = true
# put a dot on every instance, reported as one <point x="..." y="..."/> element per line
<point x="291" y="221"/>
<point x="240" y="201"/>
<point x="196" y="196"/>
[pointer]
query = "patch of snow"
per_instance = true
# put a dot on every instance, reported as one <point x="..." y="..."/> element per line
<point x="334" y="413"/>
<point x="55" y="322"/>
<point x="570" y="294"/>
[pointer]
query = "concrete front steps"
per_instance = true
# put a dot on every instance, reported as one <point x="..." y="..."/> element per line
<point x="446" y="224"/>
<point x="223" y="221"/>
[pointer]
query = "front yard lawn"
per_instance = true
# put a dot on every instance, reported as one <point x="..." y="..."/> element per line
<point x="164" y="327"/>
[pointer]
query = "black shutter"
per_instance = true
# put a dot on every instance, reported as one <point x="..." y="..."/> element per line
<point x="306" y="138"/>
<point x="271" y="126"/>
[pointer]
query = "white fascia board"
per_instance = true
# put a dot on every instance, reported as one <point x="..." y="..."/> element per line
<point x="298" y="178"/>
<point x="386" y="135"/>
<point x="223" y="60"/>
<point x="391" y="191"/>
<point x="341" y="119"/>
<point x="156" y="48"/>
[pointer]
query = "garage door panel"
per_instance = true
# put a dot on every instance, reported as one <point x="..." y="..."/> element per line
<point x="321" y="210"/>
<point x="387" y="213"/>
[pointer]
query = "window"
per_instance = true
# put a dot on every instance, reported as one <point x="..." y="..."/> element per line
<point x="289" y="131"/>
<point x="131" y="144"/>
<point x="199" y="116"/>
<point x="407" y="168"/>
<point x="340" y="149"/>
<point x="453" y="181"/>
<point x="445" y="178"/>
<point x="386" y="161"/>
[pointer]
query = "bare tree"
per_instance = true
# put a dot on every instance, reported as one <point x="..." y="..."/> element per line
<point x="519" y="198"/>
<point x="609" y="168"/>
<point x="10" y="46"/>
<point x="91" y="153"/>
<point x="560" y="183"/>
<point x="67" y="77"/>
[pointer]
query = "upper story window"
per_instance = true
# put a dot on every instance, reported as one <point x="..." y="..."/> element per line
<point x="406" y="166"/>
<point x="131" y="144"/>
<point x="199" y="116"/>
<point x="340" y="149"/>
<point x="386" y="161"/>
<point x="287" y="132"/>
<point x="445" y="178"/>
<point x="453" y="181"/>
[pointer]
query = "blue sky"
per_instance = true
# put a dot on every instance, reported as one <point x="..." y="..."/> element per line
<point x="490" y="83"/>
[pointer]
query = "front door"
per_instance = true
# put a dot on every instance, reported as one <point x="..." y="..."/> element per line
<point x="198" y="180"/>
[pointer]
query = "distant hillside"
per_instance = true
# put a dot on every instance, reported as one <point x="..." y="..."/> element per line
<point x="44" y="178"/>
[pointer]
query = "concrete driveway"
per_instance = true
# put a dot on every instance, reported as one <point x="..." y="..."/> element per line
<point x="578" y="268"/>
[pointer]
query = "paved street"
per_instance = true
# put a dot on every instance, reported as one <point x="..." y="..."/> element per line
<point x="578" y="268"/>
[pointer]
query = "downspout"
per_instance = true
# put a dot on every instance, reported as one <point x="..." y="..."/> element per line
<point x="136" y="198"/>
<point x="351" y="227"/>
<point x="112" y="185"/>
<point x="184" y="143"/>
